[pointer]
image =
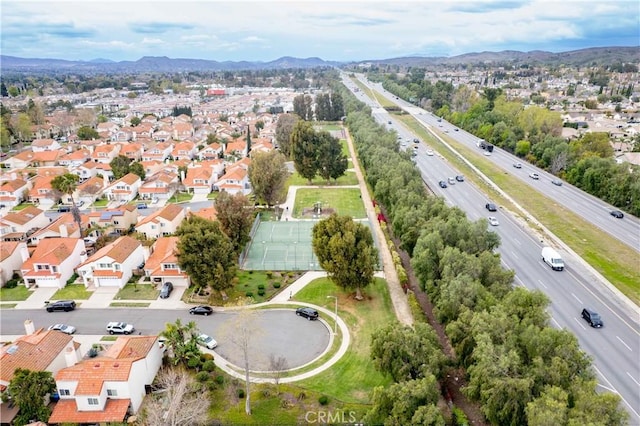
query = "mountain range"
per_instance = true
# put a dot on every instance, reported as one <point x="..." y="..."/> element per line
<point x="589" y="56"/>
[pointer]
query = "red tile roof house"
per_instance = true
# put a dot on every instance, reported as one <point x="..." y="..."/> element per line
<point x="42" y="192"/>
<point x="41" y="145"/>
<point x="90" y="190"/>
<point x="210" y="152"/>
<point x="105" y="153"/>
<point x="199" y="180"/>
<point x="132" y="151"/>
<point x="185" y="150"/>
<point x="237" y="148"/>
<point x="109" y="387"/>
<point x="63" y="226"/>
<point x="52" y="262"/>
<point x="75" y="158"/>
<point x="162" y="223"/>
<point x="12" y="255"/>
<point x="12" y="192"/>
<point x="161" y="185"/>
<point x="113" y="264"/>
<point x="33" y="159"/>
<point x="119" y="220"/>
<point x="162" y="265"/>
<point x="14" y="226"/>
<point x="37" y="350"/>
<point x="159" y="152"/>
<point x="182" y="131"/>
<point x="124" y="189"/>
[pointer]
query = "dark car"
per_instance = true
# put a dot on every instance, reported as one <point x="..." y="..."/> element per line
<point x="61" y="305"/>
<point x="64" y="209"/>
<point x="592" y="318"/>
<point x="442" y="184"/>
<point x="201" y="310"/>
<point x="167" y="288"/>
<point x="308" y="313"/>
<point x="460" y="178"/>
<point x="617" y="214"/>
<point x="491" y="207"/>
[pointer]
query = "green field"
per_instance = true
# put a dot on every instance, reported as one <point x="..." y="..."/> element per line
<point x="344" y="201"/>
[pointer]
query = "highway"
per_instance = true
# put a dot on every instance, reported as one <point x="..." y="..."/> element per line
<point x="616" y="347"/>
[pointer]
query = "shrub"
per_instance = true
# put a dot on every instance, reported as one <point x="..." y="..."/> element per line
<point x="72" y="279"/>
<point x="211" y="385"/>
<point x="208" y="366"/>
<point x="240" y="393"/>
<point x="269" y="274"/>
<point x="323" y="400"/>
<point x="276" y="285"/>
<point x="219" y="380"/>
<point x="194" y="363"/>
<point x="301" y="396"/>
<point x="260" y="286"/>
<point x="202" y="376"/>
<point x="261" y="292"/>
<point x="249" y="294"/>
<point x="11" y="284"/>
<point x="458" y="417"/>
<point x="206" y="357"/>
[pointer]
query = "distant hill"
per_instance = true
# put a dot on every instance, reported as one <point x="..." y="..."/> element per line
<point x="584" y="57"/>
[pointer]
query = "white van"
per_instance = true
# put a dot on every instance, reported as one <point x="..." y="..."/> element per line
<point x="552" y="258"/>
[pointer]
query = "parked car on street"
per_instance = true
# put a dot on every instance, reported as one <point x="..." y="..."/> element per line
<point x="120" y="328"/>
<point x="141" y="206"/>
<point x="207" y="341"/>
<point x="61" y="305"/>
<point x="68" y="329"/>
<point x="308" y="313"/>
<point x="201" y="310"/>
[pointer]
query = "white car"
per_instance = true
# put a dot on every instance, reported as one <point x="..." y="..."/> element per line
<point x="120" y="328"/>
<point x="430" y="153"/>
<point x="493" y="221"/>
<point x="207" y="341"/>
<point x="487" y="153"/>
<point x="68" y="329"/>
<point x="534" y="176"/>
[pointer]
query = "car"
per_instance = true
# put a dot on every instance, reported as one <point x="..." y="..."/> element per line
<point x="68" y="329"/>
<point x="592" y="317"/>
<point x="2" y="206"/>
<point x="556" y="182"/>
<point x="61" y="305"/>
<point x="491" y="207"/>
<point x="308" y="313"/>
<point x="201" y="310"/>
<point x="460" y="178"/>
<point x="517" y="165"/>
<point x="415" y="140"/>
<point x="141" y="206"/>
<point x="451" y="180"/>
<point x="487" y="154"/>
<point x="166" y="290"/>
<point x="430" y="152"/>
<point x="64" y="209"/>
<point x="534" y="176"/>
<point x="617" y="214"/>
<point x="389" y="122"/>
<point x="80" y="203"/>
<point x="493" y="221"/>
<point x="206" y="341"/>
<point x="120" y="328"/>
<point x="89" y="241"/>
<point x="442" y="184"/>
<point x="439" y="120"/>
<point x="456" y="129"/>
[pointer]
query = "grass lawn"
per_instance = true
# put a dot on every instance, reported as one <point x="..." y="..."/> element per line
<point x="349" y="178"/>
<point x="353" y="377"/>
<point x="616" y="261"/>
<point x="345" y="201"/>
<point x="22" y="206"/>
<point x="72" y="292"/>
<point x="213" y="195"/>
<point x="249" y="282"/>
<point x="100" y="203"/>
<point x="137" y="292"/>
<point x="18" y="293"/>
<point x="180" y="197"/>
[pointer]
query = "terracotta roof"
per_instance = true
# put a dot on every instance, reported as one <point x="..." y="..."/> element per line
<point x="12" y="185"/>
<point x="34" y="352"/>
<point x="7" y="248"/>
<point x="164" y="251"/>
<point x="51" y="251"/>
<point x="119" y="250"/>
<point x="66" y="411"/>
<point x="23" y="216"/>
<point x="168" y="212"/>
<point x="209" y="213"/>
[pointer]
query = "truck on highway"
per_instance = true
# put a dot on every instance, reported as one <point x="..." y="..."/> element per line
<point x="552" y="258"/>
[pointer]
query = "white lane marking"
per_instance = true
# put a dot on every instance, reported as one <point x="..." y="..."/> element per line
<point x="634" y="380"/>
<point x="579" y="323"/>
<point x="612" y="389"/>
<point x="622" y="341"/>
<point x="542" y="284"/>
<point x="576" y="297"/>
<point x="556" y="323"/>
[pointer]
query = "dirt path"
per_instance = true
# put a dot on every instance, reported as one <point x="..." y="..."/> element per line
<point x="398" y="298"/>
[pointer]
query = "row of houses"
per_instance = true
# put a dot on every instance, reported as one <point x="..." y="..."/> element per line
<point x="47" y="253"/>
<point x="106" y="388"/>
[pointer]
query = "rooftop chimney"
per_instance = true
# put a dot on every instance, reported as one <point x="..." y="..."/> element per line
<point x="29" y="328"/>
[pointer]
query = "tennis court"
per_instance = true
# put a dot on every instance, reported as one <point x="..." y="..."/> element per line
<point x="282" y="246"/>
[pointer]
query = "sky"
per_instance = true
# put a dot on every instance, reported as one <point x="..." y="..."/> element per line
<point x="332" y="30"/>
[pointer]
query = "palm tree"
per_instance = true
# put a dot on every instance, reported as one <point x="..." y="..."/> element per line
<point x="67" y="184"/>
<point x="181" y="340"/>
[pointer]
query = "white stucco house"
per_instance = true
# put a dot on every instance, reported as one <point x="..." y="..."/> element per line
<point x="113" y="264"/>
<point x="53" y="261"/>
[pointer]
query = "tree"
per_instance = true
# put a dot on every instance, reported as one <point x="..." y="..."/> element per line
<point x="135" y="121"/>
<point x="67" y="184"/>
<point x="259" y="125"/>
<point x="268" y="174"/>
<point x="181" y="341"/>
<point x="332" y="163"/>
<point x="5" y="136"/>
<point x="206" y="253"/>
<point x="137" y="169"/>
<point x="407" y="353"/>
<point x="304" y="147"/>
<point x="284" y="129"/>
<point x="120" y="166"/>
<point x="87" y="133"/>
<point x="248" y="139"/>
<point x="21" y="126"/>
<point x="180" y="404"/>
<point x="346" y="251"/>
<point x="28" y="389"/>
<point x="235" y="214"/>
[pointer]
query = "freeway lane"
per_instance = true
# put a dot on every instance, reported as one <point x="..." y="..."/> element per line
<point x="616" y="347"/>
